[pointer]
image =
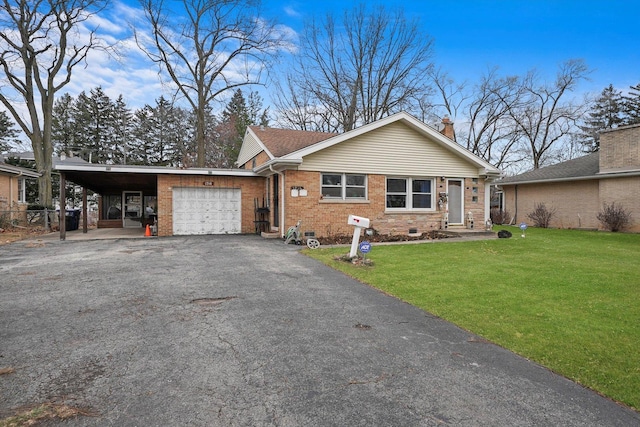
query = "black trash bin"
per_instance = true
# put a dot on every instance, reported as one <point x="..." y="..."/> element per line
<point x="72" y="219"/>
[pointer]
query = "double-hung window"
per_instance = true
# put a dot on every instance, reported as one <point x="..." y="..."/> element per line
<point x="344" y="186"/>
<point x="409" y="194"/>
<point x="22" y="190"/>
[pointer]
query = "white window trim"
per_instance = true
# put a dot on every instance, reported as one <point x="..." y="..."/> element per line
<point x="343" y="182"/>
<point x="409" y="194"/>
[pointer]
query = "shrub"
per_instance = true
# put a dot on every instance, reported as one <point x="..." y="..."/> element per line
<point x="614" y="217"/>
<point x="541" y="215"/>
<point x="499" y="216"/>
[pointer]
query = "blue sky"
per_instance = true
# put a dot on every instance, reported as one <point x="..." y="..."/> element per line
<point x="516" y="36"/>
<point x="469" y="38"/>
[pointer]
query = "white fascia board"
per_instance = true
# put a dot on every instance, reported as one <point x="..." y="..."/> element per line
<point x="153" y="170"/>
<point x="415" y="124"/>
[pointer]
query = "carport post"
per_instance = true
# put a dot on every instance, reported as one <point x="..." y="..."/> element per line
<point x="63" y="208"/>
<point x="84" y="210"/>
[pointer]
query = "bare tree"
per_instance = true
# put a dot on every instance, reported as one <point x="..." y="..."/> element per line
<point x="481" y="113"/>
<point x="545" y="117"/>
<point x="511" y="119"/>
<point x="40" y="44"/>
<point x="207" y="48"/>
<point x="353" y="71"/>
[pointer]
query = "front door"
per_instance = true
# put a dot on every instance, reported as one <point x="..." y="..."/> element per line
<point x="132" y="209"/>
<point x="456" y="201"/>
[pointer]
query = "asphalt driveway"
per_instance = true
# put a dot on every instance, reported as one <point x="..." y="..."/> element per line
<point x="241" y="331"/>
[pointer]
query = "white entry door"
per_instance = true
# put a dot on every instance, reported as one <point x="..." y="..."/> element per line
<point x="206" y="211"/>
<point x="456" y="201"/>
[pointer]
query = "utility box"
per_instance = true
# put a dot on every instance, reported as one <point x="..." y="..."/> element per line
<point x="358" y="221"/>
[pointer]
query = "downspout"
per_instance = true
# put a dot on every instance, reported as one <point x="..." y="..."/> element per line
<point x="515" y="214"/>
<point x="282" y="197"/>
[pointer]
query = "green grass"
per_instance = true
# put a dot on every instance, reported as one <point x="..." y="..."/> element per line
<point x="567" y="299"/>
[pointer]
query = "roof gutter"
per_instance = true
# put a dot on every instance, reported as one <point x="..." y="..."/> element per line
<point x="277" y="166"/>
<point x="153" y="170"/>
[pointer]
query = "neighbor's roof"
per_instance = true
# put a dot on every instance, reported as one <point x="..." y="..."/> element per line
<point x="581" y="168"/>
<point x="281" y="142"/>
<point x="16" y="170"/>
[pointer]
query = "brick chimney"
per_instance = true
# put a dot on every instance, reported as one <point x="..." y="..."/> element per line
<point x="447" y="130"/>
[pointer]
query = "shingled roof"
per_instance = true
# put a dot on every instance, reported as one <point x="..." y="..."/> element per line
<point x="582" y="167"/>
<point x="281" y="142"/>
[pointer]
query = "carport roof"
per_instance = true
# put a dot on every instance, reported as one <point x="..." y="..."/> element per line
<point x="102" y="178"/>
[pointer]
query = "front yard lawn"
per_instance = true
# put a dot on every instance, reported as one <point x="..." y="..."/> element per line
<point x="569" y="300"/>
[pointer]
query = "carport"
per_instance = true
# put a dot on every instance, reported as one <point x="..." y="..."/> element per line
<point x="129" y="186"/>
<point x="179" y="201"/>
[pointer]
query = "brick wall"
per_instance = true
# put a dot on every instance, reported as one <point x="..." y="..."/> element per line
<point x="577" y="203"/>
<point x="329" y="217"/>
<point x="624" y="192"/>
<point x="620" y="148"/>
<point x="261" y="158"/>
<point x="5" y="191"/>
<point x="251" y="187"/>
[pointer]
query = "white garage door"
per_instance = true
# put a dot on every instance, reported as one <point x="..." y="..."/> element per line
<point x="206" y="211"/>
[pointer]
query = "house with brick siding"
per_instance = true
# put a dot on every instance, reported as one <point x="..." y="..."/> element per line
<point x="402" y="174"/>
<point x="578" y="189"/>
<point x="13" y="187"/>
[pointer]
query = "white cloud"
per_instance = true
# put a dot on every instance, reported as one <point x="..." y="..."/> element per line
<point x="291" y="12"/>
<point x="124" y="69"/>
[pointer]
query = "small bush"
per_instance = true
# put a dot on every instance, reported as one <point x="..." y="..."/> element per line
<point x="541" y="215"/>
<point x="500" y="217"/>
<point x="614" y="217"/>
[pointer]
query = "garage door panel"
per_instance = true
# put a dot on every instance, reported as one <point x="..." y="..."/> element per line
<point x="206" y="211"/>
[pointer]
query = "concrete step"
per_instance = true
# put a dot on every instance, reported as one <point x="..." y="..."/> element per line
<point x="270" y="235"/>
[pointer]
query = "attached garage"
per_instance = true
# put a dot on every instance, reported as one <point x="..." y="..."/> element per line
<point x="202" y="210"/>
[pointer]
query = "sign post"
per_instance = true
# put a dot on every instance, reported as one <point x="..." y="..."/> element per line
<point x="365" y="248"/>
<point x="523" y="227"/>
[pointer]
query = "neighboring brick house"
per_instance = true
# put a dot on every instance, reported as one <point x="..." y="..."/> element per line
<point x="13" y="187"/>
<point x="400" y="173"/>
<point x="578" y="189"/>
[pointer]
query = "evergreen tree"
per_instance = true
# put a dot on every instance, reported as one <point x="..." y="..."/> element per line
<point x="161" y="134"/>
<point x="93" y="116"/>
<point x="142" y="144"/>
<point x="239" y="114"/>
<point x="632" y="105"/>
<point x="121" y="133"/>
<point x="607" y="112"/>
<point x="63" y="125"/>
<point x="8" y="133"/>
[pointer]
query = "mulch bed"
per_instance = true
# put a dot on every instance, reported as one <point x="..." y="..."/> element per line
<point x="381" y="238"/>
